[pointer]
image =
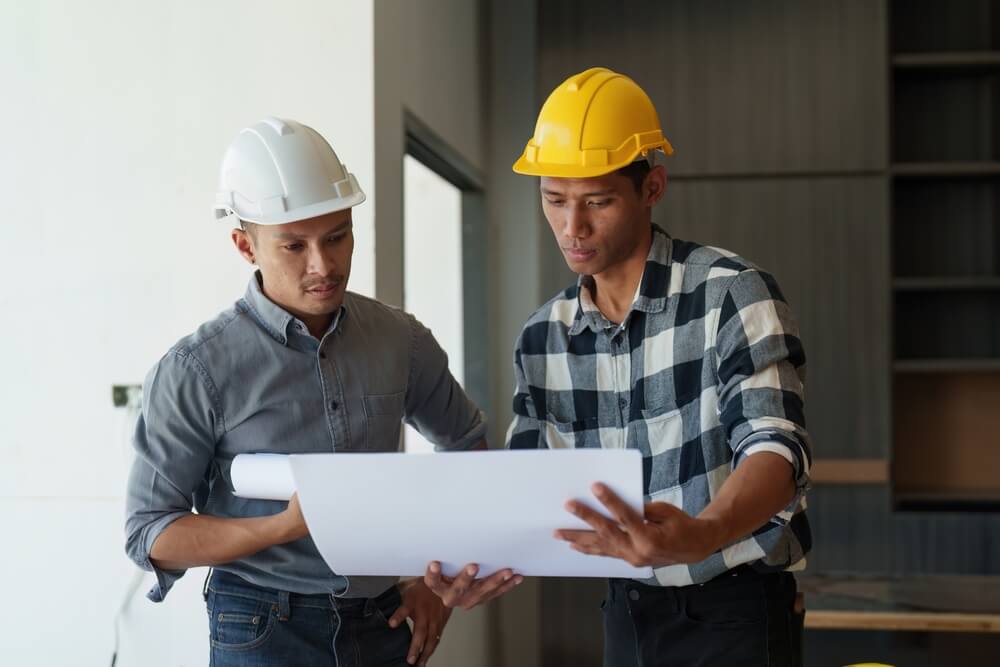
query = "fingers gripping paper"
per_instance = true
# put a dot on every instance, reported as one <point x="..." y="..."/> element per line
<point x="391" y="514"/>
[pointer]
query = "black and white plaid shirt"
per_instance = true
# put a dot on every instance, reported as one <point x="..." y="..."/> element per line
<point x="706" y="369"/>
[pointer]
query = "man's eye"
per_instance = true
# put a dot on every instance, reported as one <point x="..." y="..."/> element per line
<point x="336" y="238"/>
<point x="554" y="202"/>
<point x="293" y="246"/>
<point x="598" y="203"/>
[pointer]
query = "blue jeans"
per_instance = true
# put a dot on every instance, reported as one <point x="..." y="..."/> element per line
<point x="252" y="626"/>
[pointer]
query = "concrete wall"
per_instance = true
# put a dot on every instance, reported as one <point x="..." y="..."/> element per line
<point x="517" y="238"/>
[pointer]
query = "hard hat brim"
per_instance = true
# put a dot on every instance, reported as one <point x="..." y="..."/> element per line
<point x="526" y="168"/>
<point x="304" y="212"/>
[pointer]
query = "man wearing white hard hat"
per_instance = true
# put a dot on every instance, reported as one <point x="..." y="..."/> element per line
<point x="297" y="365"/>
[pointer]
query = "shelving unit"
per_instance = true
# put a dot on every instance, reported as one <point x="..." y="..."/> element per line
<point x="945" y="147"/>
<point x="947" y="60"/>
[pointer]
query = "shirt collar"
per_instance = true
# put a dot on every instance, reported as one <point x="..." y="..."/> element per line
<point x="650" y="297"/>
<point x="273" y="318"/>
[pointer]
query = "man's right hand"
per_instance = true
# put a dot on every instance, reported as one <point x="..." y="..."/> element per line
<point x="465" y="591"/>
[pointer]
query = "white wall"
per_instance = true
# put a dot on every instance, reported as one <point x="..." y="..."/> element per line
<point x="115" y="116"/>
<point x="432" y="290"/>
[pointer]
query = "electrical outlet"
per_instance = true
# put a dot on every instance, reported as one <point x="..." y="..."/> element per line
<point x="123" y="395"/>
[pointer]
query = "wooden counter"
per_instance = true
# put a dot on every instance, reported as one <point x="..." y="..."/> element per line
<point x="915" y="603"/>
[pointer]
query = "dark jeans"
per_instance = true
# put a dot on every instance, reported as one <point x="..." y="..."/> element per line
<point x="739" y="619"/>
<point x="252" y="626"/>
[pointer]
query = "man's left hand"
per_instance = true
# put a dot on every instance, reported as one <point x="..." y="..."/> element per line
<point x="665" y="536"/>
<point x="429" y="618"/>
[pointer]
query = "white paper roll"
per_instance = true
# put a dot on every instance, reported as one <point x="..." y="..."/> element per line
<point x="262" y="476"/>
<point x="497" y="509"/>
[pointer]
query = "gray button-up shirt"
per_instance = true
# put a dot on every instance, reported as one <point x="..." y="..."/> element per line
<point x="254" y="380"/>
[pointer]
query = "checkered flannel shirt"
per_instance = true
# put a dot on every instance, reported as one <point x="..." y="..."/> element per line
<point x="706" y="369"/>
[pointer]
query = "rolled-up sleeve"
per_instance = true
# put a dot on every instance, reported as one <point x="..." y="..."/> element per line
<point x="174" y="445"/>
<point x="761" y="370"/>
<point x="436" y="404"/>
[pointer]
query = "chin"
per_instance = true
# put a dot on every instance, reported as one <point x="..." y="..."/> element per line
<point x="583" y="268"/>
<point x="330" y="307"/>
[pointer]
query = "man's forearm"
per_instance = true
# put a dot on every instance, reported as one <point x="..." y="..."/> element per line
<point x="197" y="540"/>
<point x="759" y="488"/>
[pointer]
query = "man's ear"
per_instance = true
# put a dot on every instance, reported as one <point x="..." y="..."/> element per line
<point x="244" y="245"/>
<point x="654" y="186"/>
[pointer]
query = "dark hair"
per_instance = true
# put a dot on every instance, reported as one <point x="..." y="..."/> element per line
<point x="249" y="227"/>
<point x="636" y="172"/>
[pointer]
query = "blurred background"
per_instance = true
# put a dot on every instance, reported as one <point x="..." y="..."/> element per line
<point x="851" y="147"/>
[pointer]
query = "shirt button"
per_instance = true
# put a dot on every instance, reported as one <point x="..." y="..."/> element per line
<point x="322" y="355"/>
<point x="633" y="595"/>
<point x="334" y="405"/>
<point x="622" y="403"/>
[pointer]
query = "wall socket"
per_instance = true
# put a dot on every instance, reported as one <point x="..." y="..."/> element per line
<point x="124" y="395"/>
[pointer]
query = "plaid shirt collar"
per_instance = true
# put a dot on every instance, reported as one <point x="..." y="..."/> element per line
<point x="650" y="297"/>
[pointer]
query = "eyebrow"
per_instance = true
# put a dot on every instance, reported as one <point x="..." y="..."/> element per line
<point x="596" y="193"/>
<point x="291" y="236"/>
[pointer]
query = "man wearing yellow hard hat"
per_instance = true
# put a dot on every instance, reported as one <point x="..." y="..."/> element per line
<point x="691" y="355"/>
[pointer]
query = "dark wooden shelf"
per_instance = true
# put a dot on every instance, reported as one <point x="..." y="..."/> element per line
<point x="849" y="471"/>
<point x="946" y="283"/>
<point x="970" y="169"/>
<point x="959" y="60"/>
<point x="946" y="365"/>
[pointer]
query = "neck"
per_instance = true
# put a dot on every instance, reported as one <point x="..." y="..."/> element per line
<point x="615" y="287"/>
<point x="317" y="324"/>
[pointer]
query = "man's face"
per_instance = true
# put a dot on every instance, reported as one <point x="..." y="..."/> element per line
<point x="598" y="222"/>
<point x="305" y="265"/>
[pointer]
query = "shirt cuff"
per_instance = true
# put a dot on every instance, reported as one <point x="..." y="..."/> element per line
<point x="165" y="579"/>
<point x="787" y="447"/>
<point x="770" y="446"/>
<point x="785" y="444"/>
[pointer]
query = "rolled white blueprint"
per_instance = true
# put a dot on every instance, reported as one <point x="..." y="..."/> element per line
<point x="262" y="476"/>
<point x="391" y="514"/>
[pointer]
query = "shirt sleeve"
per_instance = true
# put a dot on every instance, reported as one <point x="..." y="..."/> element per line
<point x="436" y="404"/>
<point x="761" y="370"/>
<point x="525" y="431"/>
<point x="174" y="446"/>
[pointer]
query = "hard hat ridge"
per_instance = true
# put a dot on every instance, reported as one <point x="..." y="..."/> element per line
<point x="278" y="171"/>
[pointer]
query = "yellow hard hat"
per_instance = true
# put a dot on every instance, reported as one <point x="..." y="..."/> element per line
<point x="594" y="123"/>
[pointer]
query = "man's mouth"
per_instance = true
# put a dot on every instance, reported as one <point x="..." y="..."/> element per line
<point x="324" y="289"/>
<point x="579" y="253"/>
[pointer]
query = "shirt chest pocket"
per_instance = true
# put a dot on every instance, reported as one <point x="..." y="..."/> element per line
<point x="383" y="421"/>
<point x="664" y="429"/>
<point x="572" y="434"/>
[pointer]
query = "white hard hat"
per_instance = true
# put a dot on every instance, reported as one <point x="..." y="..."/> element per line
<point x="279" y="171"/>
